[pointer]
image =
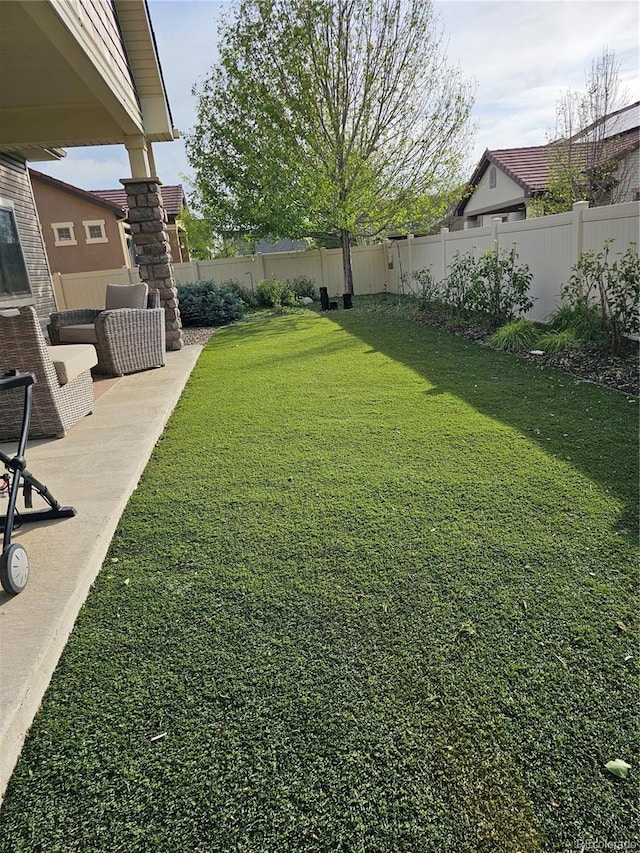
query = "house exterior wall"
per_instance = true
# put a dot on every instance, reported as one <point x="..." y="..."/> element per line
<point x="56" y="206"/>
<point x="485" y="198"/>
<point x="629" y="175"/>
<point x="100" y="21"/>
<point x="16" y="186"/>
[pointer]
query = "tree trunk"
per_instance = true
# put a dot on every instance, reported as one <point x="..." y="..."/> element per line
<point x="345" y="237"/>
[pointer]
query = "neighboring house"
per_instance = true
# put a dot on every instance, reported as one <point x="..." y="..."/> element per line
<point x="174" y="201"/>
<point x="507" y="181"/>
<point x="72" y="73"/>
<point x="81" y="231"/>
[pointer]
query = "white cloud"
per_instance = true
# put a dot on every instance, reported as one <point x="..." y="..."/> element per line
<point x="90" y="168"/>
<point x="524" y="54"/>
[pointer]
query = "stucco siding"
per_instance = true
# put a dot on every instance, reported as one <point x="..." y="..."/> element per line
<point x="55" y="206"/>
<point x="506" y="192"/>
<point x="15" y="186"/>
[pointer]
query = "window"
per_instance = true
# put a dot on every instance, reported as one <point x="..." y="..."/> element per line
<point x="492" y="178"/>
<point x="14" y="279"/>
<point x="64" y="234"/>
<point x="94" y="230"/>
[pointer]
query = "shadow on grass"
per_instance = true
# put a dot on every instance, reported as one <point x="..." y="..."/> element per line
<point x="594" y="428"/>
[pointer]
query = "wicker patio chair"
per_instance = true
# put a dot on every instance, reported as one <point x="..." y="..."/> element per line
<point x="63" y="393"/>
<point x="129" y="334"/>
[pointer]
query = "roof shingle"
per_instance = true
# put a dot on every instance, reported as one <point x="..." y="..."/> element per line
<point x="528" y="167"/>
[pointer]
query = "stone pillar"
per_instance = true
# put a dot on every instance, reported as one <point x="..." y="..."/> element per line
<point x="148" y="222"/>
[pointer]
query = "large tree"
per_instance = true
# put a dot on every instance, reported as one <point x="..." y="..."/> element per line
<point x="329" y="118"/>
<point x="587" y="155"/>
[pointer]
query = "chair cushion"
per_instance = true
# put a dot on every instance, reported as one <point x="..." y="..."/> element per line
<point x="127" y="295"/>
<point x="70" y="361"/>
<point x="81" y="333"/>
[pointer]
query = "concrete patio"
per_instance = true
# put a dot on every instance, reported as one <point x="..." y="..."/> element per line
<point x="95" y="468"/>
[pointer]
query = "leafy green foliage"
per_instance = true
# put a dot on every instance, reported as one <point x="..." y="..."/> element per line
<point x="460" y="280"/>
<point x="328" y="120"/>
<point x="204" y="303"/>
<point x="601" y="302"/>
<point x="583" y="320"/>
<point x="493" y="284"/>
<point x="200" y="238"/>
<point x="303" y="285"/>
<point x="245" y="293"/>
<point x="517" y="335"/>
<point x="272" y="293"/>
<point x="423" y="286"/>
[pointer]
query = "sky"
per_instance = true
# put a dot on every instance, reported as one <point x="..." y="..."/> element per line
<point x="521" y="54"/>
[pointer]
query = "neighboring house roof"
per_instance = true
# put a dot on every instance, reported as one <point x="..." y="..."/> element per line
<point x="620" y="121"/>
<point x="529" y="167"/>
<point x="116" y="209"/>
<point x="173" y="198"/>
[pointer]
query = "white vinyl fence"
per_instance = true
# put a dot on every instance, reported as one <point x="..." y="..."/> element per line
<point x="549" y="245"/>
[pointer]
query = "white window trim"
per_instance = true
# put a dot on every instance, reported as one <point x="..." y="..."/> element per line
<point x="88" y="223"/>
<point x="69" y="225"/>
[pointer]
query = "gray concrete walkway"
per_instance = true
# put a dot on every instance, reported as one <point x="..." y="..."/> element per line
<point x="95" y="468"/>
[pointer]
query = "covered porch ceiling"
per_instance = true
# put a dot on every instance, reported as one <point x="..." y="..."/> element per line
<point x="76" y="74"/>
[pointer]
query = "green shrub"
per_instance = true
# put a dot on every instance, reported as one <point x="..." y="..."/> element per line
<point x="303" y="285"/>
<point x="607" y="293"/>
<point x="423" y="287"/>
<point x="493" y="284"/>
<point x="203" y="303"/>
<point x="557" y="340"/>
<point x="459" y="282"/>
<point x="517" y="335"/>
<point x="245" y="293"/>
<point x="272" y="293"/>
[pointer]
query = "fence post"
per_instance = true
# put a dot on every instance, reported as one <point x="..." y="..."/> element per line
<point x="443" y="252"/>
<point x="194" y="270"/>
<point x="577" y="228"/>
<point x="58" y="291"/>
<point x="386" y="249"/>
<point x="496" y="222"/>
<point x="410" y="238"/>
<point x="259" y="257"/>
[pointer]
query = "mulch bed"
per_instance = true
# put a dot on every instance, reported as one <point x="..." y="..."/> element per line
<point x="621" y="372"/>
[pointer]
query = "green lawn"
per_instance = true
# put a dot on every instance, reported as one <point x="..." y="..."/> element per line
<point x="375" y="592"/>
